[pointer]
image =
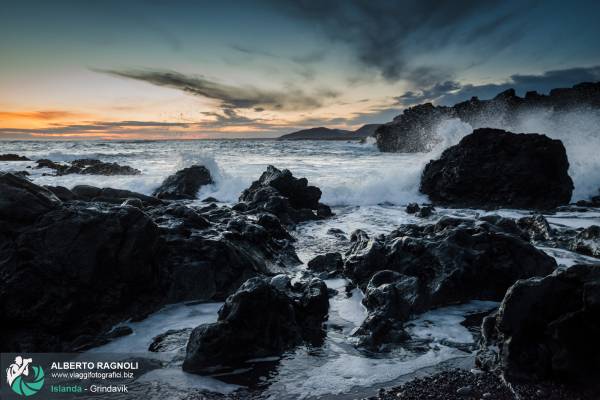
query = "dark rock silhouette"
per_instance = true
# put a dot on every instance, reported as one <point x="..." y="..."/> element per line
<point x="587" y="241"/>
<point x="322" y="133"/>
<point x="278" y="192"/>
<point x="258" y="320"/>
<point x="13" y="157"/>
<point x="544" y="328"/>
<point x="87" y="166"/>
<point x="419" y="267"/>
<point x="414" y="129"/>
<point x="492" y="168"/>
<point x="329" y="262"/>
<point x="184" y="184"/>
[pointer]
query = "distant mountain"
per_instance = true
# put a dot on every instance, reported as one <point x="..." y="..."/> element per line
<point x="322" y="133"/>
<point x="366" y="130"/>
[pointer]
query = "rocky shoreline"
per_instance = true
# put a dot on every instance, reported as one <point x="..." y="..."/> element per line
<point x="101" y="256"/>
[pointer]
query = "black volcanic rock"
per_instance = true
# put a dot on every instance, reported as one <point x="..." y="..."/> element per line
<point x="107" y="195"/>
<point x="278" y="192"/>
<point x="414" y="129"/>
<point x="329" y="262"/>
<point x="587" y="241"/>
<point x="417" y="268"/>
<point x="72" y="269"/>
<point x="23" y="201"/>
<point x="492" y="168"/>
<point x="184" y="184"/>
<point x="546" y="328"/>
<point x="87" y="166"/>
<point x="97" y="167"/>
<point x="259" y="320"/>
<point x="73" y="272"/>
<point x="13" y="157"/>
<point x="45" y="163"/>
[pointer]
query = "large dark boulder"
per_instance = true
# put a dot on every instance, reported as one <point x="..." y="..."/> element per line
<point x="547" y="328"/>
<point x="491" y="168"/>
<point x="212" y="250"/>
<point x="74" y="272"/>
<point x="415" y="129"/>
<point x="417" y="268"/>
<point x="184" y="184"/>
<point x="280" y="193"/>
<point x="258" y="320"/>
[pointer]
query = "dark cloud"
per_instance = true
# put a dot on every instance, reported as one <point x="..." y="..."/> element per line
<point x="230" y="97"/>
<point x="387" y="35"/>
<point x="429" y="94"/>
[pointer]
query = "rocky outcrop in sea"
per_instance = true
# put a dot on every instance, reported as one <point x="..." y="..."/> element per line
<point x="414" y="129"/>
<point x="492" y="168"/>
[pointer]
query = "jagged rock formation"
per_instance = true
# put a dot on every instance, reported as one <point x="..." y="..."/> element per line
<point x="87" y="166"/>
<point x="416" y="268"/>
<point x="184" y="184"/>
<point x="100" y="263"/>
<point x="278" y="192"/>
<point x="414" y="129"/>
<point x="261" y="319"/>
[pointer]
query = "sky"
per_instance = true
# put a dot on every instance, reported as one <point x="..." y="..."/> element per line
<point x="174" y="69"/>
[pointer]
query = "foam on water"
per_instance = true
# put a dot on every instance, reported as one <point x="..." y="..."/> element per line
<point x="176" y="316"/>
<point x="347" y="173"/>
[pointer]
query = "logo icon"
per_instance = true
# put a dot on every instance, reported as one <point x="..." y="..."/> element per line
<point x="24" y="378"/>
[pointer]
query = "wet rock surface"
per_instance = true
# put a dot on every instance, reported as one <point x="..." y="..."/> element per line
<point x="87" y="166"/>
<point x="329" y="262"/>
<point x="544" y="327"/>
<point x="13" y="157"/>
<point x="259" y="320"/>
<point x="94" y="266"/>
<point x="419" y="267"/>
<point x="587" y="241"/>
<point x="171" y="340"/>
<point x="184" y="184"/>
<point x="278" y="192"/>
<point x="414" y="129"/>
<point x="491" y="168"/>
<point x="100" y="261"/>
